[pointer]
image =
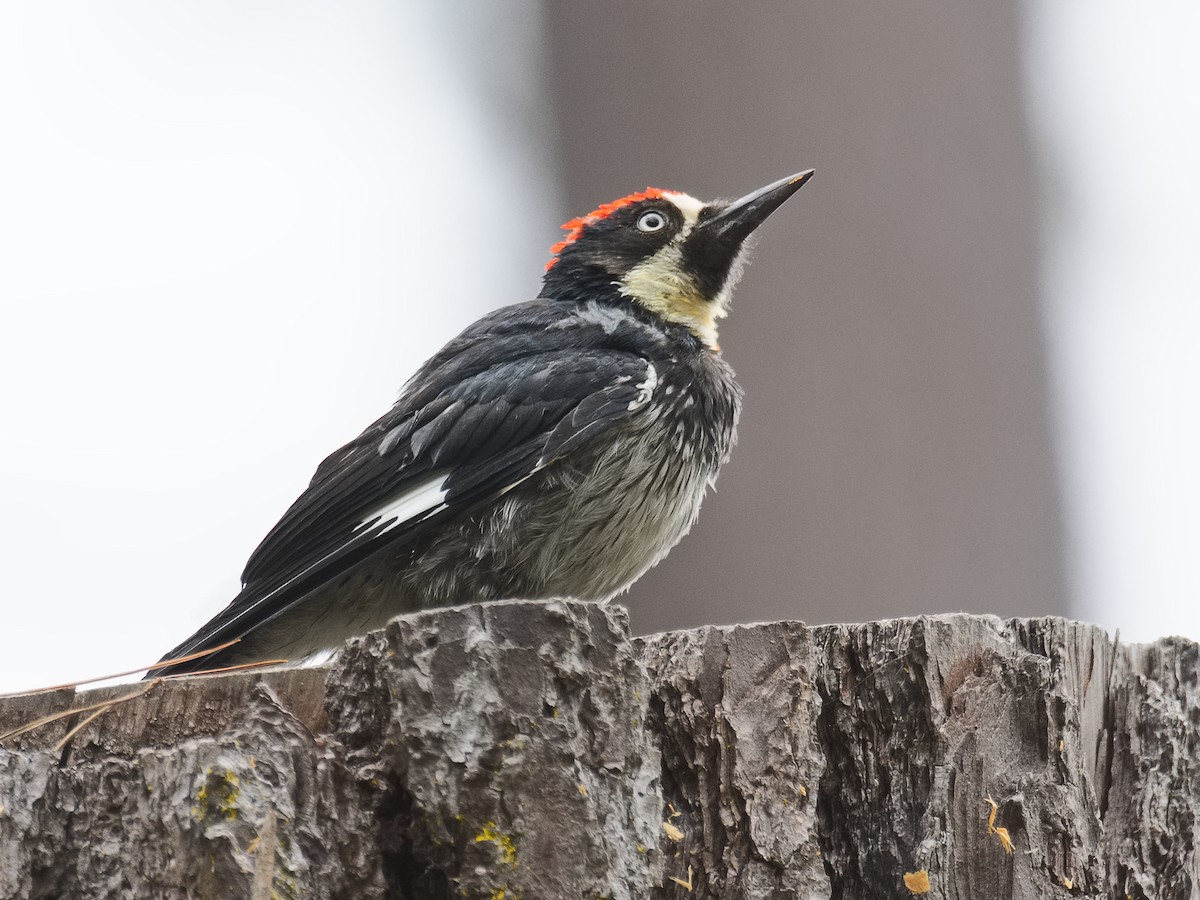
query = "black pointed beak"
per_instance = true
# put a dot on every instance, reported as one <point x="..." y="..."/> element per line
<point x="715" y="244"/>
<point x="734" y="223"/>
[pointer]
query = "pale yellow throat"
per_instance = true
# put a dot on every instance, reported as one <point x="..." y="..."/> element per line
<point x="660" y="285"/>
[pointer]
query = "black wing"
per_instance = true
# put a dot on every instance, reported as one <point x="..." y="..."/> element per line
<point x="496" y="405"/>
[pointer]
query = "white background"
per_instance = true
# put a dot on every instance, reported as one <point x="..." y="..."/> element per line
<point x="1116" y="120"/>
<point x="229" y="232"/>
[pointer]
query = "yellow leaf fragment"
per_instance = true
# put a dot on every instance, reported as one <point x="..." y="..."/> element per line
<point x="917" y="882"/>
<point x="1067" y="882"/>
<point x="1000" y="833"/>
<point x="992" y="815"/>
<point x="686" y="885"/>
<point x="672" y="832"/>
<point x="583" y="790"/>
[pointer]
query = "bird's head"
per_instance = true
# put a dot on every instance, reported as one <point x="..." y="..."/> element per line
<point x="677" y="256"/>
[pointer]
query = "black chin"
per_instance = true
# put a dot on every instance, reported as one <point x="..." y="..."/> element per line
<point x="715" y="245"/>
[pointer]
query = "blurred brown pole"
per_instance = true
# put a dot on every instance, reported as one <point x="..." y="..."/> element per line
<point x="894" y="453"/>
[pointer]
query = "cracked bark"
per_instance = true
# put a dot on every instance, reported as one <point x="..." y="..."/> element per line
<point x="533" y="750"/>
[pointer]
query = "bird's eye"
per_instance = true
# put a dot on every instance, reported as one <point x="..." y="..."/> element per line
<point x="652" y="221"/>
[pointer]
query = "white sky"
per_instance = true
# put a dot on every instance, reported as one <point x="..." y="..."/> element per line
<point x="1116" y="111"/>
<point x="230" y="232"/>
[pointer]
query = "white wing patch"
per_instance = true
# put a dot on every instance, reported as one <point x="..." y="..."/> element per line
<point x="314" y="659"/>
<point x="422" y="498"/>
<point x="645" y="388"/>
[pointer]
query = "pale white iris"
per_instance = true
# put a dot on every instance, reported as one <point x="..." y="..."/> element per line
<point x="652" y="221"/>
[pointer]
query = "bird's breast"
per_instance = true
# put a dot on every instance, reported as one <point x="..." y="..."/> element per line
<point x="614" y="510"/>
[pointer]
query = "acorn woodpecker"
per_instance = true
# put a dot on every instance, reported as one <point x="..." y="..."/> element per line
<point x="556" y="448"/>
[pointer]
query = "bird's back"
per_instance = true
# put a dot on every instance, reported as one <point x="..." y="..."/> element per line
<point x="596" y="421"/>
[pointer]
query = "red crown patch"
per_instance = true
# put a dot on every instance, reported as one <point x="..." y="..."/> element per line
<point x="574" y="228"/>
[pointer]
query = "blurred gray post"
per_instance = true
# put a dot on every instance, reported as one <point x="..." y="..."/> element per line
<point x="894" y="453"/>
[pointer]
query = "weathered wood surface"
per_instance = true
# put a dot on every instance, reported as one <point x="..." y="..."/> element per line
<point x="533" y="750"/>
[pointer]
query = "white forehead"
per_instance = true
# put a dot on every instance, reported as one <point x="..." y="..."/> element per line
<point x="688" y="205"/>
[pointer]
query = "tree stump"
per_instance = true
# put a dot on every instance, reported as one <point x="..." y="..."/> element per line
<point x="536" y="750"/>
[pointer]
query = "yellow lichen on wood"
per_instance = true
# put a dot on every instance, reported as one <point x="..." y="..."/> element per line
<point x="505" y="843"/>
<point x="221" y="799"/>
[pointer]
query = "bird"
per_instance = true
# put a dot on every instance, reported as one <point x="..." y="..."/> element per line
<point x="556" y="448"/>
